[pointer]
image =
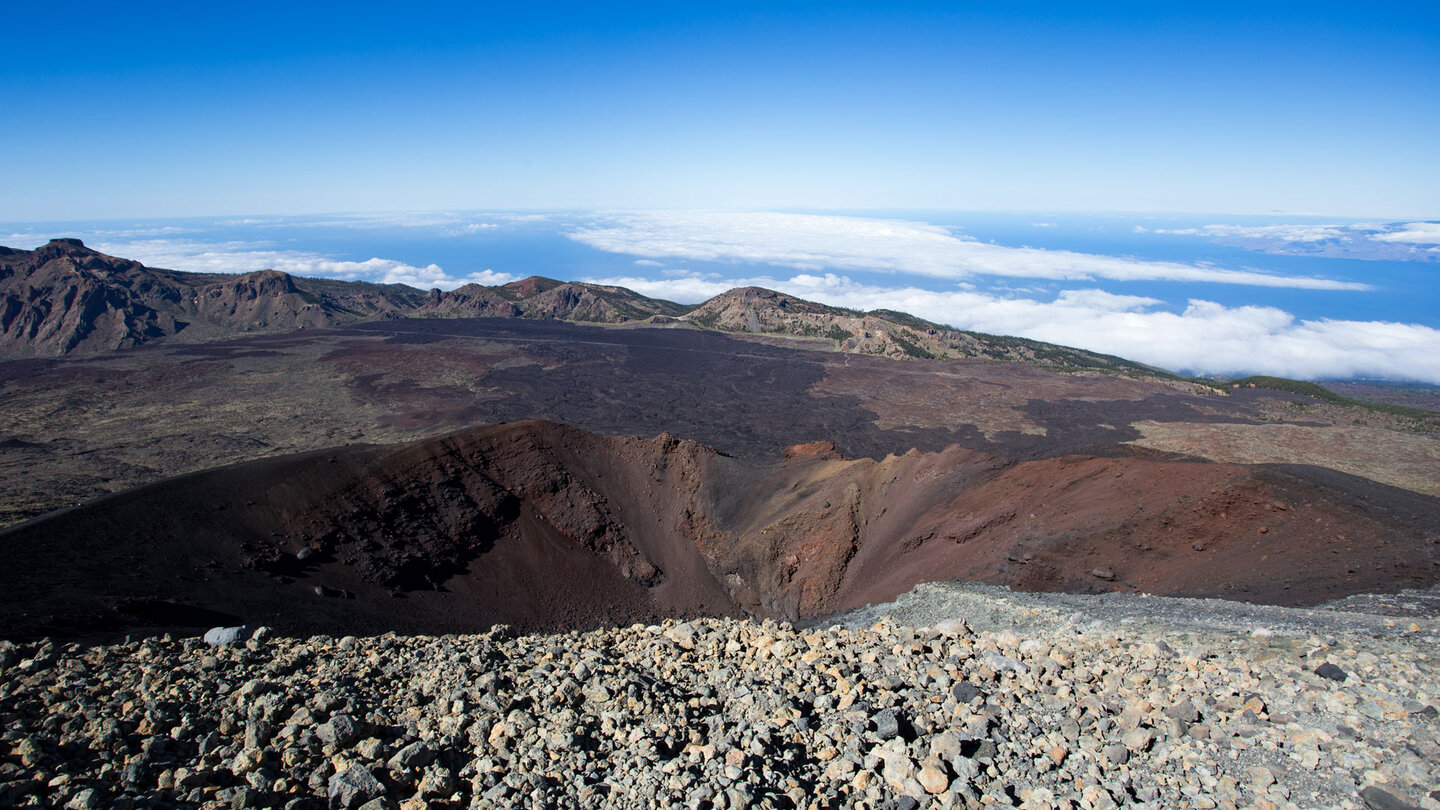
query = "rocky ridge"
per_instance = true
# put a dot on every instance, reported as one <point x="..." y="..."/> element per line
<point x="546" y="298"/>
<point x="1032" y="703"/>
<point x="64" y="298"/>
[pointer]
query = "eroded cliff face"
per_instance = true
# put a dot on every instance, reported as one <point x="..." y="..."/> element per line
<point x="547" y="526"/>
<point x="64" y="298"/>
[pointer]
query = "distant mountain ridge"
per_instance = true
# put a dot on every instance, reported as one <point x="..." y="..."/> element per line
<point x="64" y="298"/>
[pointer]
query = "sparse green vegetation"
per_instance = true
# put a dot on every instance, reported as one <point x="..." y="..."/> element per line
<point x="909" y="343"/>
<point x="1301" y="387"/>
<point x="904" y="319"/>
<point x="1316" y="391"/>
<point x="708" y="320"/>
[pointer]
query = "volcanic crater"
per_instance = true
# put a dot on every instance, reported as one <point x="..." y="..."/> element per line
<point x="546" y="527"/>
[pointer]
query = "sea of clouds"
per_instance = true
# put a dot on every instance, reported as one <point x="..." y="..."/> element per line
<point x="245" y="257"/>
<point x="880" y="263"/>
<point x="1203" y="338"/>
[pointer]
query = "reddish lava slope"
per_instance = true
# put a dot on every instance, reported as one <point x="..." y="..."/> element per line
<point x="545" y="526"/>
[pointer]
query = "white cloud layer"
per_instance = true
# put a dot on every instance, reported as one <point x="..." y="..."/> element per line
<point x="817" y="243"/>
<point x="1420" y="233"/>
<point x="246" y="257"/>
<point x="445" y="223"/>
<point x="1205" y="338"/>
<point x="1285" y="233"/>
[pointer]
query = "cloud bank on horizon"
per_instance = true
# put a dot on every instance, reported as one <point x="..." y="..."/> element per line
<point x="812" y="242"/>
<point x="246" y="257"/>
<point x="1062" y="296"/>
<point x="1397" y="241"/>
<point x="1204" y="338"/>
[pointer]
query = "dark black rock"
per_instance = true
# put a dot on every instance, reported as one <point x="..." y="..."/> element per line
<point x="135" y="774"/>
<point x="986" y="750"/>
<point x="414" y="755"/>
<point x="887" y="724"/>
<point x="1329" y="670"/>
<point x="1377" y="799"/>
<point x="339" y="731"/>
<point x="353" y="787"/>
<point x="965" y="692"/>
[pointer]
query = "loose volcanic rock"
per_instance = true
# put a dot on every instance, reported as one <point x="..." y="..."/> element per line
<point x="1100" y="709"/>
<point x="353" y="787"/>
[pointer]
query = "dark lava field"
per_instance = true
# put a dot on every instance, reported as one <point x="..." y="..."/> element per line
<point x="677" y="472"/>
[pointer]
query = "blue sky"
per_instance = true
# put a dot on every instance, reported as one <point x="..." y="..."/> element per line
<point x="1220" y="188"/>
<point x="160" y="110"/>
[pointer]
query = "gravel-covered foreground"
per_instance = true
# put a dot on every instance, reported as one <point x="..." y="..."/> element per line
<point x="1043" y="704"/>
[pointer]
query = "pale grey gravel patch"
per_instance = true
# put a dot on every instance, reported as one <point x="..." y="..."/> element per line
<point x="995" y="607"/>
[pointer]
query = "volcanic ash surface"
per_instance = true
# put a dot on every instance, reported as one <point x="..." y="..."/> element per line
<point x="1073" y="711"/>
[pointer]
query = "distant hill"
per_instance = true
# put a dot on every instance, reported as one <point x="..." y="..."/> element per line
<point x="539" y="297"/>
<point x="887" y="333"/>
<point x="64" y="298"/>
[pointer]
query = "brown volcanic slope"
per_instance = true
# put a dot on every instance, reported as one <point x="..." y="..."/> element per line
<point x="545" y="526"/>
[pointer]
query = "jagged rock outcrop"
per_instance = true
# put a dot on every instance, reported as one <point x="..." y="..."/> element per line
<point x="254" y="301"/>
<point x="64" y="298"/>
